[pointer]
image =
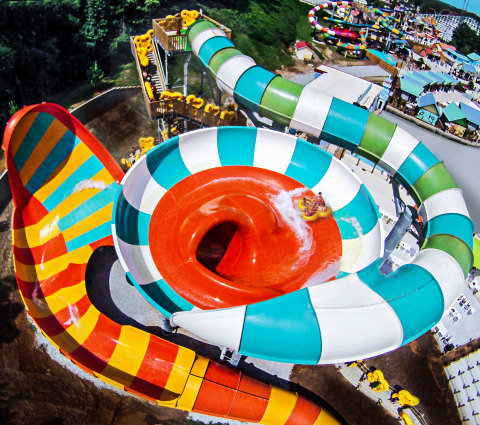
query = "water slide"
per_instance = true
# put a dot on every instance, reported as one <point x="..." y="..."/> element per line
<point x="64" y="184"/>
<point x="63" y="212"/>
<point x="385" y="20"/>
<point x="338" y="34"/>
<point x="363" y="313"/>
<point x="347" y="38"/>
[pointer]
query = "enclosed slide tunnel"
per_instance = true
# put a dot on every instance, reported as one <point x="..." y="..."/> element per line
<point x="364" y="313"/>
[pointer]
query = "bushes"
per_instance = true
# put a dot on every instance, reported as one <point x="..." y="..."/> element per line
<point x="265" y="29"/>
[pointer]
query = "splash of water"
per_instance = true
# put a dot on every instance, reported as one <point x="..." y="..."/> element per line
<point x="282" y="202"/>
<point x="284" y="205"/>
<point x="48" y="229"/>
<point x="74" y="316"/>
<point x="89" y="184"/>
<point x="324" y="274"/>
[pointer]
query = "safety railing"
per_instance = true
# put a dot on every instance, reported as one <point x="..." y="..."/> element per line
<point x="167" y="32"/>
<point x="173" y="108"/>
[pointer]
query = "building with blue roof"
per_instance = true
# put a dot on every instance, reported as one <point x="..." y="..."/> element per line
<point x="457" y="57"/>
<point x="421" y="77"/>
<point x="469" y="70"/>
<point x="442" y="80"/>
<point x="474" y="59"/>
<point x="472" y="115"/>
<point x="385" y="57"/>
<point x="433" y="78"/>
<point x="410" y="89"/>
<point x="451" y="78"/>
<point x="421" y="81"/>
<point x="428" y="109"/>
<point x="455" y="117"/>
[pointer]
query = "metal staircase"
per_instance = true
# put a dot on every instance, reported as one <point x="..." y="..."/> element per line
<point x="157" y="77"/>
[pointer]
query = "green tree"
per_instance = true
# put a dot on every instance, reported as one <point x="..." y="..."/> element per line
<point x="96" y="27"/>
<point x="465" y="39"/>
<point x="95" y="75"/>
<point x="12" y="107"/>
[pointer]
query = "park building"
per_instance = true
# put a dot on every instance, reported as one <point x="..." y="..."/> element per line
<point x="448" y="23"/>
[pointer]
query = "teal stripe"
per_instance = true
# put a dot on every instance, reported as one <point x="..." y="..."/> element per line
<point x="85" y="172"/>
<point x="451" y="224"/>
<point x="271" y="332"/>
<point x="90" y="206"/>
<point x="56" y="156"/>
<point x="358" y="217"/>
<point x="164" y="298"/>
<point x="166" y="165"/>
<point x="30" y="141"/>
<point x="309" y="164"/>
<point x="345" y="124"/>
<point x="413" y="294"/>
<point x="417" y="163"/>
<point x="212" y="46"/>
<point x="236" y="145"/>
<point x="91" y="236"/>
<point x="251" y="86"/>
<point x="341" y="274"/>
<point x="132" y="225"/>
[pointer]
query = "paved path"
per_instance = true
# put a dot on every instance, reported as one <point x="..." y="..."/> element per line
<point x="463" y="162"/>
<point x="356" y="376"/>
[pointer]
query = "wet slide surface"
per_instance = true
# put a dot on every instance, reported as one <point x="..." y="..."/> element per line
<point x="272" y="250"/>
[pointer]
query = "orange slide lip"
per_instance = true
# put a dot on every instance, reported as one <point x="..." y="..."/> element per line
<point x="255" y="265"/>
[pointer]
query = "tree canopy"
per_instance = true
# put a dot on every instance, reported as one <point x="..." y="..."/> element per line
<point x="53" y="46"/>
<point x="465" y="39"/>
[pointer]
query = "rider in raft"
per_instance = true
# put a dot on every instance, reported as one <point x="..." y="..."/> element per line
<point x="314" y="205"/>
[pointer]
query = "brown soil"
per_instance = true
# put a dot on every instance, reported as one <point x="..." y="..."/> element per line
<point x="331" y="58"/>
<point x="416" y="367"/>
<point x="34" y="389"/>
<point x="120" y="128"/>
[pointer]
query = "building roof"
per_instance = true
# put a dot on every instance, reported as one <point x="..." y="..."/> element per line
<point x="440" y="77"/>
<point x="384" y="57"/>
<point x="427" y="100"/>
<point x="435" y="79"/>
<point x="446" y="46"/>
<point x="473" y="56"/>
<point x="453" y="113"/>
<point x="303" y="44"/>
<point x="472" y="114"/>
<point x="449" y="77"/>
<point x="469" y="68"/>
<point x="423" y="76"/>
<point x="415" y="80"/>
<point x="410" y="87"/>
<point x="457" y="55"/>
<point x="344" y="86"/>
<point x="419" y="78"/>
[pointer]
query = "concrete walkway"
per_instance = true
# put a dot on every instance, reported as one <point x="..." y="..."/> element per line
<point x="356" y="375"/>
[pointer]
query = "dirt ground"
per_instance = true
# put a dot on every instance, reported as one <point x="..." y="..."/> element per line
<point x="34" y="389"/>
<point x="416" y="367"/>
<point x="331" y="58"/>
